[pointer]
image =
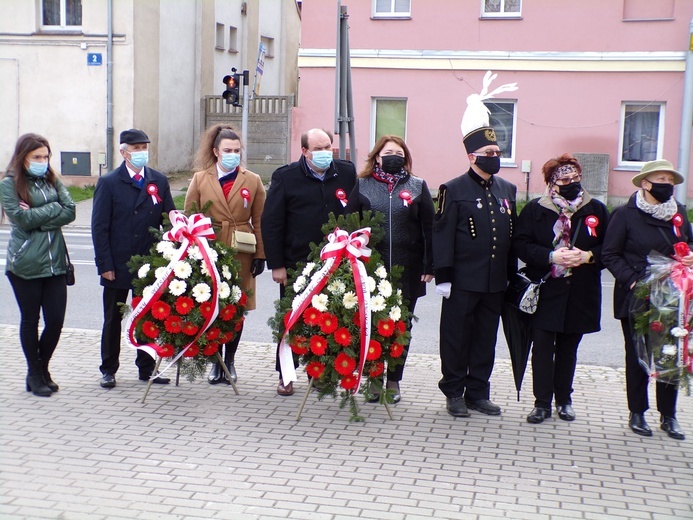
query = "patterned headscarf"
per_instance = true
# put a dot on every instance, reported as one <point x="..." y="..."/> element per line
<point x="566" y="209"/>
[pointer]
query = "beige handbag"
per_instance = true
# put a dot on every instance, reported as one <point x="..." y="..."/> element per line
<point x="243" y="242"/>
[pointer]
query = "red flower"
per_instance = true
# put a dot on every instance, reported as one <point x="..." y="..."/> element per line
<point x="189" y="329"/>
<point x="357" y="320"/>
<point x="315" y="369"/>
<point x="135" y="301"/>
<point x="161" y="310"/>
<point x="396" y="350"/>
<point x="328" y="323"/>
<point x="243" y="299"/>
<point x="681" y="249"/>
<point x="318" y="345"/>
<point x="239" y="325"/>
<point x="193" y="351"/>
<point x="299" y="345"/>
<point x="343" y="364"/>
<point x="386" y="327"/>
<point x="227" y="312"/>
<point x="226" y="337"/>
<point x="184" y="305"/>
<point x="656" y="326"/>
<point x="343" y="337"/>
<point x="374" y="350"/>
<point x="349" y="382"/>
<point x="401" y="327"/>
<point x="377" y="370"/>
<point x="286" y="319"/>
<point x="206" y="309"/>
<point x="211" y="349"/>
<point x="312" y="316"/>
<point x="150" y="330"/>
<point x="173" y="324"/>
<point x="165" y="350"/>
<point x="213" y="333"/>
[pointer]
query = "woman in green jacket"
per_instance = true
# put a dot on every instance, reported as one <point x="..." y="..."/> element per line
<point x="37" y="205"/>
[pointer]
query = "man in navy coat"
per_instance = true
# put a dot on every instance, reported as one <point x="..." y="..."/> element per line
<point x="124" y="210"/>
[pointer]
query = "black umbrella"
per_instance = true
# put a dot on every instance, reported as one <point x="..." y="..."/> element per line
<point x="517" y="328"/>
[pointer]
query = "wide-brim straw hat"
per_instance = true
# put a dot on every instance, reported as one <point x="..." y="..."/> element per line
<point x="657" y="166"/>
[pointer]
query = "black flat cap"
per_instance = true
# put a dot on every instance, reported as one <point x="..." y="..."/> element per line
<point x="133" y="136"/>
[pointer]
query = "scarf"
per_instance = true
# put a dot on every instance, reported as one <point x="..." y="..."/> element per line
<point x="391" y="179"/>
<point x="664" y="211"/>
<point x="561" y="228"/>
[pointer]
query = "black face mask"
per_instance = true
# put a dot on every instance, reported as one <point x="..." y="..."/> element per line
<point x="662" y="191"/>
<point x="490" y="165"/>
<point x="570" y="191"/>
<point x="392" y="163"/>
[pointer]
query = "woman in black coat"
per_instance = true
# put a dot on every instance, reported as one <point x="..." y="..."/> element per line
<point x="561" y="233"/>
<point x="386" y="185"/>
<point x="643" y="225"/>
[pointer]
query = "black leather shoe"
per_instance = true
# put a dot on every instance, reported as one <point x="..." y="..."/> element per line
<point x="157" y="380"/>
<point x="232" y="370"/>
<point x="396" y="396"/>
<point x="538" y="415"/>
<point x="374" y="398"/>
<point x="216" y="374"/>
<point x="566" y="412"/>
<point x="638" y="424"/>
<point x="483" y="406"/>
<point x="107" y="381"/>
<point x="672" y="427"/>
<point x="456" y="407"/>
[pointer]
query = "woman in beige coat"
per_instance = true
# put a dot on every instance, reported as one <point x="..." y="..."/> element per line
<point x="238" y="197"/>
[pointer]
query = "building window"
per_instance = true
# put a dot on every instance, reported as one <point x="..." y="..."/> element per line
<point x="269" y="46"/>
<point x="62" y="13"/>
<point x="501" y="8"/>
<point x="389" y="118"/>
<point x="642" y="132"/>
<point x="233" y="39"/>
<point x="219" y="38"/>
<point x="391" y="8"/>
<point x="503" y="119"/>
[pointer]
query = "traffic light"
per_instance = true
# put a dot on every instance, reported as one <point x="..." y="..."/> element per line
<point x="232" y="92"/>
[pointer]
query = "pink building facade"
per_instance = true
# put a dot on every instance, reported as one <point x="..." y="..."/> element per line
<point x="594" y="77"/>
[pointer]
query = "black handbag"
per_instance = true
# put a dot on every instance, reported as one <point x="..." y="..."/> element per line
<point x="69" y="269"/>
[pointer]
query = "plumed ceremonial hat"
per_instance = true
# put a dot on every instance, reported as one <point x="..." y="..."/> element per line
<point x="133" y="136"/>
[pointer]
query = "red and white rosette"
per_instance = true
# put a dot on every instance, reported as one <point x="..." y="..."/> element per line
<point x="406" y="198"/>
<point x="592" y="222"/>
<point x="342" y="196"/>
<point x="245" y="193"/>
<point x="153" y="190"/>
<point x="677" y="221"/>
<point x="195" y="230"/>
<point x="340" y="244"/>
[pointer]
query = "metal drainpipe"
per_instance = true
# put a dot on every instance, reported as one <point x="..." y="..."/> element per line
<point x="109" y="90"/>
<point x="686" y="121"/>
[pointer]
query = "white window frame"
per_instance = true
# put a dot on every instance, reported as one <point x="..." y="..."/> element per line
<point x="502" y="13"/>
<point x="63" y="20"/>
<point x="622" y="127"/>
<point x="508" y="158"/>
<point x="391" y="13"/>
<point x="374" y="114"/>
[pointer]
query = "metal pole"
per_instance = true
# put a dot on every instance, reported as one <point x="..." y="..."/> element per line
<point x="686" y="121"/>
<point x="244" y="117"/>
<point x="109" y="90"/>
<point x="350" y="106"/>
<point x="344" y="50"/>
<point x="337" y="67"/>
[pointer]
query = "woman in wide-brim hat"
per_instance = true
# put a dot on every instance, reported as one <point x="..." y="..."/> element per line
<point x="643" y="225"/>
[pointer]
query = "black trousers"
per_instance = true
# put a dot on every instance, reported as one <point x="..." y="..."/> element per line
<point x="554" y="356"/>
<point x="397" y="373"/>
<point x="39" y="295"/>
<point x="468" y="329"/>
<point x="637" y="380"/>
<point x="111" y="332"/>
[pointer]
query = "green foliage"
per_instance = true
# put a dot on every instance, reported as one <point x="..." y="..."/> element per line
<point x="80" y="193"/>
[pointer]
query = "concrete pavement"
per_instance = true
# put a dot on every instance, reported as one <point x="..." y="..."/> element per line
<point x="199" y="451"/>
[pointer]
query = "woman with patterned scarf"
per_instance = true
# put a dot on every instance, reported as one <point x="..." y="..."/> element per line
<point x="386" y="185"/>
<point x="561" y="233"/>
<point x="652" y="220"/>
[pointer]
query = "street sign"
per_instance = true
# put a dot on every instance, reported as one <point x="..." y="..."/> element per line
<point x="94" y="59"/>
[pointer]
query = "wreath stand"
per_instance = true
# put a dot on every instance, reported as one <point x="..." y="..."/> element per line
<point x="221" y="363"/>
<point x="305" y="398"/>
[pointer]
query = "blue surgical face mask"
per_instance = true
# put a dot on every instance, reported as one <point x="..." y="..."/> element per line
<point x="139" y="159"/>
<point x="37" y="169"/>
<point x="322" y="159"/>
<point x="230" y="161"/>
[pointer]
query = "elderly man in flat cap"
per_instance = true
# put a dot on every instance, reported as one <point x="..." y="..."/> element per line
<point x="121" y="217"/>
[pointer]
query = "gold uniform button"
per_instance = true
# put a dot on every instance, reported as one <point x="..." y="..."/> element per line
<point x="494" y="247"/>
<point x="495" y="238"/>
<point x="492" y="213"/>
<point x="493" y="256"/>
<point x="493" y="220"/>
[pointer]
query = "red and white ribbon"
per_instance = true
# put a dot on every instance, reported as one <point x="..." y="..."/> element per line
<point x="340" y="244"/>
<point x="195" y="230"/>
<point x="153" y="190"/>
<point x="245" y="193"/>
<point x="592" y="222"/>
<point x="406" y="198"/>
<point x="342" y="196"/>
<point x="677" y="221"/>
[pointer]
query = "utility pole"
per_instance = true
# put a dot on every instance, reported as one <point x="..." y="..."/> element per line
<point x="344" y="105"/>
<point x="686" y="121"/>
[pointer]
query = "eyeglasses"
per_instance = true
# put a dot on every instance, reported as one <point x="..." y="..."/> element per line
<point x="564" y="181"/>
<point x="489" y="153"/>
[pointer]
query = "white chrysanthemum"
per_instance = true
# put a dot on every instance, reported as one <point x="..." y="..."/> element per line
<point x="142" y="271"/>
<point x="337" y="287"/>
<point x="194" y="253"/>
<point x="182" y="269"/>
<point x="370" y="284"/>
<point x="165" y="246"/>
<point x="224" y="290"/>
<point x="669" y="350"/>
<point x="226" y="272"/>
<point x="201" y="292"/>
<point x="395" y="313"/>
<point x="236" y="294"/>
<point x="213" y="255"/>
<point x="349" y="300"/>
<point x="169" y="254"/>
<point x="385" y="288"/>
<point x="204" y="270"/>
<point x="177" y="287"/>
<point x="160" y="272"/>
<point x="399" y="296"/>
<point x="308" y="268"/>
<point x="679" y="332"/>
<point x="300" y="283"/>
<point x="377" y="303"/>
<point x="381" y="272"/>
<point x="148" y="291"/>
<point x="319" y="301"/>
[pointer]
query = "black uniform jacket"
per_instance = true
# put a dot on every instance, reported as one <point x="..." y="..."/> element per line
<point x="297" y="206"/>
<point x="472" y="233"/>
<point x="570" y="304"/>
<point x="631" y="236"/>
<point x="408" y="227"/>
<point x="121" y="217"/>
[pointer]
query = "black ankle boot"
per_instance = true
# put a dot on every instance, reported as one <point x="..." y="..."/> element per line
<point x="49" y="380"/>
<point x="36" y="385"/>
<point x="216" y="375"/>
<point x="228" y="361"/>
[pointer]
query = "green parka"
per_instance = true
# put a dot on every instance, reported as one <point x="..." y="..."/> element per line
<point x="36" y="248"/>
